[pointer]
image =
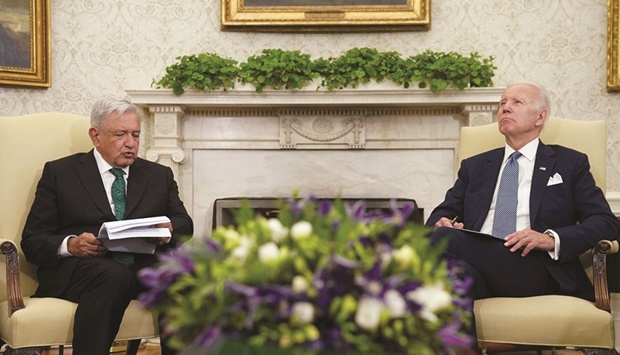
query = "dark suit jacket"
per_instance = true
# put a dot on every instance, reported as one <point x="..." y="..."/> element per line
<point x="576" y="209"/>
<point x="71" y="199"/>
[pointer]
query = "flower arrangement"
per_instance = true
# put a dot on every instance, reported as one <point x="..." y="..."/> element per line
<point x="324" y="275"/>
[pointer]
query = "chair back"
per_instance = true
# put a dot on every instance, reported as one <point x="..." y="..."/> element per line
<point x="27" y="143"/>
<point x="589" y="137"/>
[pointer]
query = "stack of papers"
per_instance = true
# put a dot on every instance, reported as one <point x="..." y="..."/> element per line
<point x="132" y="235"/>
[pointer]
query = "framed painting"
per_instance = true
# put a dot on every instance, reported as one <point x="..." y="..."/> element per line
<point x="613" y="45"/>
<point x="25" y="53"/>
<point x="325" y="15"/>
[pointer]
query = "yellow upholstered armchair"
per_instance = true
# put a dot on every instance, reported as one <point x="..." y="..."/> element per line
<point x="551" y="321"/>
<point x="29" y="325"/>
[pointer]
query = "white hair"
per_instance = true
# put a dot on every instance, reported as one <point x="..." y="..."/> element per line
<point x="106" y="106"/>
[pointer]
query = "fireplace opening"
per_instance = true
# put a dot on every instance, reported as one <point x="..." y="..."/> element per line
<point x="223" y="211"/>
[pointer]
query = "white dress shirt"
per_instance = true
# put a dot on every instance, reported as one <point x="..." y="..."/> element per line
<point x="526" y="171"/>
<point x="108" y="178"/>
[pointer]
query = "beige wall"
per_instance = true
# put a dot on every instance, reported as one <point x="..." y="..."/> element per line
<point x="104" y="46"/>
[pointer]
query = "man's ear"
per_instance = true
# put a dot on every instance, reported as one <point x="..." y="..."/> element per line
<point x="94" y="136"/>
<point x="542" y="117"/>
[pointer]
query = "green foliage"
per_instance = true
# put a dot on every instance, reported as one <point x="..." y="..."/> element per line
<point x="440" y="70"/>
<point x="358" y="66"/>
<point x="205" y="71"/>
<point x="277" y="69"/>
<point x="290" y="70"/>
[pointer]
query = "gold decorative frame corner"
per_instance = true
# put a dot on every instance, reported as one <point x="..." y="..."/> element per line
<point x="613" y="45"/>
<point x="285" y="16"/>
<point x="38" y="73"/>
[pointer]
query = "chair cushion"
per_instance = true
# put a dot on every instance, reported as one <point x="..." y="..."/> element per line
<point x="543" y="320"/>
<point x="49" y="321"/>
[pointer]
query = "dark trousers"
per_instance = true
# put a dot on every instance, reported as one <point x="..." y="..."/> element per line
<point x="497" y="272"/>
<point x="102" y="288"/>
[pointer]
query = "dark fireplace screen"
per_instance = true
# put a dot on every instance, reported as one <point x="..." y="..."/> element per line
<point x="267" y="207"/>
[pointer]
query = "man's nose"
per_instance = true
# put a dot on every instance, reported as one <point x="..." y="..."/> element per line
<point x="130" y="141"/>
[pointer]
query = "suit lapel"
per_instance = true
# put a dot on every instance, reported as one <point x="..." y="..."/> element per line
<point x="490" y="173"/>
<point x="136" y="185"/>
<point x="91" y="180"/>
<point x="543" y="168"/>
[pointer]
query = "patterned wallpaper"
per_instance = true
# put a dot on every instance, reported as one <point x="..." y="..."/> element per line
<point x="105" y="46"/>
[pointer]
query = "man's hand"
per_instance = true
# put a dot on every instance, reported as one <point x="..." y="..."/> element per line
<point x="529" y="240"/>
<point x="85" y="245"/>
<point x="445" y="222"/>
<point x="161" y="240"/>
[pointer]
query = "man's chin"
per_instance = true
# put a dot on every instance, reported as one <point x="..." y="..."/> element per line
<point x="126" y="161"/>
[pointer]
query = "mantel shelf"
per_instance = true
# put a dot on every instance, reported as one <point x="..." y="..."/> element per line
<point x="350" y="97"/>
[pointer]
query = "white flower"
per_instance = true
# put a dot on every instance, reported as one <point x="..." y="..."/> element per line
<point x="268" y="252"/>
<point x="302" y="312"/>
<point x="395" y="303"/>
<point x="432" y="298"/>
<point x="403" y="255"/>
<point x="368" y="313"/>
<point x="278" y="232"/>
<point x="242" y="250"/>
<point x="301" y="230"/>
<point x="231" y="236"/>
<point x="300" y="284"/>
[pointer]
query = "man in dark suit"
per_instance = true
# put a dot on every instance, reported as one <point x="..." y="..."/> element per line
<point x="560" y="212"/>
<point x="72" y="201"/>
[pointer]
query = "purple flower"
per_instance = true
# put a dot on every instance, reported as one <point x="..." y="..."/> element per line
<point x="451" y="336"/>
<point x="157" y="280"/>
<point x="401" y="214"/>
<point x="324" y="207"/>
<point x="357" y="211"/>
<point x="182" y="261"/>
<point x="296" y="206"/>
<point x="208" y="337"/>
<point x="335" y="279"/>
<point x="254" y="297"/>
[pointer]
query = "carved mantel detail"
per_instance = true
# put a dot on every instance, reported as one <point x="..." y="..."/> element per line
<point x="314" y="129"/>
<point x="165" y="137"/>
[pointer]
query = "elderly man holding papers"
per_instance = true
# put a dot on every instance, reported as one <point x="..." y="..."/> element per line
<point x="74" y="197"/>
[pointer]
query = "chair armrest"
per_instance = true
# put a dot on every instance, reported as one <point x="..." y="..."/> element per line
<point x="599" y="262"/>
<point x="13" y="282"/>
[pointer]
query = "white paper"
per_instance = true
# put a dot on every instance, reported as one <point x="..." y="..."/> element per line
<point x="131" y="235"/>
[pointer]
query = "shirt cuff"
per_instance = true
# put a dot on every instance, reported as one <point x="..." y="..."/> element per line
<point x="555" y="253"/>
<point x="63" y="249"/>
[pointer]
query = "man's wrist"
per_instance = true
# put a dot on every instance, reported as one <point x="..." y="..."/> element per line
<point x="555" y="252"/>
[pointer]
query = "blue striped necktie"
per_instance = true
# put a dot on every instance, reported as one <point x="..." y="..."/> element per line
<point x="505" y="219"/>
<point x="118" y="197"/>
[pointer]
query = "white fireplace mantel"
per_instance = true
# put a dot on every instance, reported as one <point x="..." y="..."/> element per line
<point x="348" y="97"/>
<point x="476" y="105"/>
<point x="351" y="143"/>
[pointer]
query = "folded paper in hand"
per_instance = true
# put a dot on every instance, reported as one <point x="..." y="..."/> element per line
<point x="131" y="235"/>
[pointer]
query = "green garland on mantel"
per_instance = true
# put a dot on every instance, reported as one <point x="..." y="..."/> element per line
<point x="289" y="70"/>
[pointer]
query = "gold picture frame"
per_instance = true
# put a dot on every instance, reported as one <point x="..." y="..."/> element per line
<point x="325" y="15"/>
<point x="25" y="54"/>
<point x="613" y="45"/>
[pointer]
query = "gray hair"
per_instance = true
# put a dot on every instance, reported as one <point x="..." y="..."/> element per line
<point x="542" y="101"/>
<point x="106" y="106"/>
